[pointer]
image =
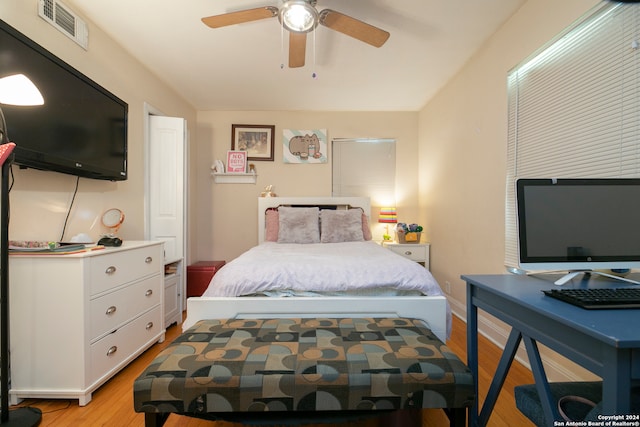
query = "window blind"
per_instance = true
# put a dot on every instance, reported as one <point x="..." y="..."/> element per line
<point x="574" y="107"/>
<point x="365" y="167"/>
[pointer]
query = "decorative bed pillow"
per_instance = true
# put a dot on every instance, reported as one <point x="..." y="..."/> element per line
<point x="341" y="226"/>
<point x="298" y="225"/>
<point x="366" y="230"/>
<point x="271" y="221"/>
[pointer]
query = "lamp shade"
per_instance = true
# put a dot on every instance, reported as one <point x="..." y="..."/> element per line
<point x="388" y="216"/>
<point x="17" y="89"/>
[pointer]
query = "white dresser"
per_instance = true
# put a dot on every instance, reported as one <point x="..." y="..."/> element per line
<point x="77" y="319"/>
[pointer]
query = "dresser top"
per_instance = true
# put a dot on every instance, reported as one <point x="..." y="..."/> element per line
<point x="90" y="250"/>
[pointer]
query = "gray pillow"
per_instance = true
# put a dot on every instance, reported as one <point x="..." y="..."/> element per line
<point x="341" y="226"/>
<point x="298" y="225"/>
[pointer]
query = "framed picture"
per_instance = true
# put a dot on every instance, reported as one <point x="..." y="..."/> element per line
<point x="256" y="140"/>
<point x="236" y="161"/>
<point x="304" y="146"/>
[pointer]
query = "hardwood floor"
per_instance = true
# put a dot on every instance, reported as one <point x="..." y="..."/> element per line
<point x="112" y="404"/>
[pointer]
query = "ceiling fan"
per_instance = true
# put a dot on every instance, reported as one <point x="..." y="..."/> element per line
<point x="300" y="17"/>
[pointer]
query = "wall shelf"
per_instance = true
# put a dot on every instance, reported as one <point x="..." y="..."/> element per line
<point x="234" y="178"/>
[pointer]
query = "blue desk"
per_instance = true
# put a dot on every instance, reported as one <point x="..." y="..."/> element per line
<point x="606" y="342"/>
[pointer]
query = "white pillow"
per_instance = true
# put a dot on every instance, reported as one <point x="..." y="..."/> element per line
<point x="341" y="226"/>
<point x="298" y="225"/>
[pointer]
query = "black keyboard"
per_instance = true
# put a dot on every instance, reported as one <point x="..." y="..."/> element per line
<point x="596" y="298"/>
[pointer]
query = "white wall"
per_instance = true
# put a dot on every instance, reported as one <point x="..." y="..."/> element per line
<point x="463" y="140"/>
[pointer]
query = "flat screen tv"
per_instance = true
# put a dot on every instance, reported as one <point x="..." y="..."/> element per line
<point x="578" y="224"/>
<point x="81" y="129"/>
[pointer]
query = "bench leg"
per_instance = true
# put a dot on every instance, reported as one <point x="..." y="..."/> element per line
<point x="401" y="418"/>
<point x="457" y="416"/>
<point x="153" y="419"/>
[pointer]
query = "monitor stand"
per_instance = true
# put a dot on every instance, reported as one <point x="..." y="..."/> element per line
<point x="564" y="279"/>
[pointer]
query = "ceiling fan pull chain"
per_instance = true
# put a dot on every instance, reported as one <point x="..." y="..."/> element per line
<point x="281" y="47"/>
<point x="314" y="75"/>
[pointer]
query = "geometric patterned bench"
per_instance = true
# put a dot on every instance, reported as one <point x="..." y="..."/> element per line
<point x="315" y="369"/>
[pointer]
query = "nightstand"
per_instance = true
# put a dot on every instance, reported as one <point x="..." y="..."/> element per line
<point x="418" y="252"/>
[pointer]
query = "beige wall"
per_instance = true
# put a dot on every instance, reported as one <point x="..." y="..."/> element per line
<point x="463" y="134"/>
<point x="227" y="223"/>
<point x="40" y="200"/>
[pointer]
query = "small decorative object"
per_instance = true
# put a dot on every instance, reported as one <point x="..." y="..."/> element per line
<point x="252" y="168"/>
<point x="236" y="161"/>
<point x="267" y="192"/>
<point x="113" y="219"/>
<point x="218" y="166"/>
<point x="408" y="233"/>
<point x="256" y="140"/>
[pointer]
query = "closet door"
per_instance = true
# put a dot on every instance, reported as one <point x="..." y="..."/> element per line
<point x="166" y="201"/>
<point x="166" y="184"/>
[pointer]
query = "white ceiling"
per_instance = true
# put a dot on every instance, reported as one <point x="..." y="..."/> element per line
<point x="239" y="67"/>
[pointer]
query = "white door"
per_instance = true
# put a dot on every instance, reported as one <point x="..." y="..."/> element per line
<point x="167" y="192"/>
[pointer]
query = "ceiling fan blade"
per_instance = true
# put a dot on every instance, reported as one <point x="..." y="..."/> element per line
<point x="240" y="16"/>
<point x="297" y="49"/>
<point x="353" y="27"/>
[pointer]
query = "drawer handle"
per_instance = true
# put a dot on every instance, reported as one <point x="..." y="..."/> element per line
<point x="112" y="350"/>
<point x="110" y="270"/>
<point x="408" y="253"/>
<point x="148" y="293"/>
<point x="110" y="310"/>
<point x="148" y="260"/>
<point x="149" y="325"/>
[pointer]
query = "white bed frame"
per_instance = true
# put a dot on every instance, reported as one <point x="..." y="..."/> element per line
<point x="431" y="309"/>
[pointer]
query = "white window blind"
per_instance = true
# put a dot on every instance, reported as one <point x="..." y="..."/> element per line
<point x="365" y="167"/>
<point x="574" y="107"/>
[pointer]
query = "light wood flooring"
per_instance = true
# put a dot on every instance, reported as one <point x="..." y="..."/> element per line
<point x="112" y="404"/>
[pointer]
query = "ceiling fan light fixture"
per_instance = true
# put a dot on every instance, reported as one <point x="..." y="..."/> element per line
<point x="298" y="16"/>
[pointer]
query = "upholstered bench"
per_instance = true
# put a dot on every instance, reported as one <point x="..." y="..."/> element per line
<point x="304" y="370"/>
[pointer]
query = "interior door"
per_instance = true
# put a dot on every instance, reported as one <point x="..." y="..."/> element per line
<point x="167" y="142"/>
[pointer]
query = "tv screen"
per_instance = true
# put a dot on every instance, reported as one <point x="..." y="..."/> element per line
<point x="578" y="224"/>
<point x="81" y="129"/>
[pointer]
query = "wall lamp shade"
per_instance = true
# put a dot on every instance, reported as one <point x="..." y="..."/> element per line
<point x="17" y="89"/>
<point x="298" y="16"/>
<point x="388" y="216"/>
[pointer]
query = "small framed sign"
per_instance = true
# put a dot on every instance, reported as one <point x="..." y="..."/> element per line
<point x="236" y="161"/>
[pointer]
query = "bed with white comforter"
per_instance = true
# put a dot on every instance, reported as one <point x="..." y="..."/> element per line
<point x="290" y="269"/>
<point x="351" y="278"/>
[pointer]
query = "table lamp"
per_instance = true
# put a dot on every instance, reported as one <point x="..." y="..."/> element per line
<point x="387" y="216"/>
<point x="15" y="89"/>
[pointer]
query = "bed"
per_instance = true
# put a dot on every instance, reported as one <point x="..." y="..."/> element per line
<point x="262" y="345"/>
<point x="420" y="296"/>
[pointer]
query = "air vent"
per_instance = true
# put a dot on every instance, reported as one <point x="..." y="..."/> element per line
<point x="65" y="20"/>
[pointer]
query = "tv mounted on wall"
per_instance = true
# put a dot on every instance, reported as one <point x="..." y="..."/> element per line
<point x="578" y="225"/>
<point x="80" y="130"/>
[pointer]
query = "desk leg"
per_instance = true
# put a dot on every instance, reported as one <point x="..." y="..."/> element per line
<point x="549" y="406"/>
<point x="500" y="375"/>
<point x="616" y="381"/>
<point x="472" y="351"/>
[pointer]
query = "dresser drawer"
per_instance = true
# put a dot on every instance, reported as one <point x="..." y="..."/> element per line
<point x="416" y="253"/>
<point x="115" y="269"/>
<point x="111" y="310"/>
<point x="110" y="351"/>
